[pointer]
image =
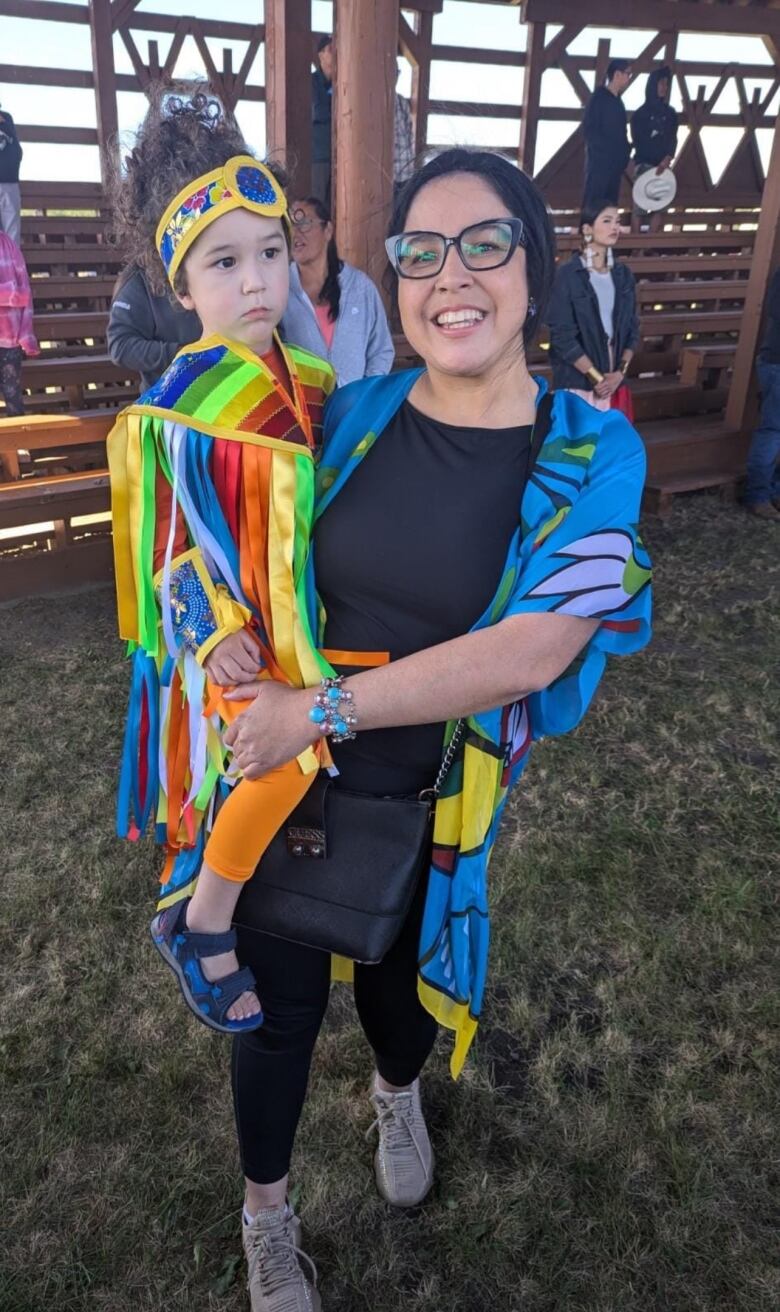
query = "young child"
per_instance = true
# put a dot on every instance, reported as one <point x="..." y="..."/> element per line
<point x="212" y="488"/>
<point x="17" y="338"/>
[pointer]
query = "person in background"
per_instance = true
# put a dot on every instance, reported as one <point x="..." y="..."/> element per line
<point x="334" y="310"/>
<point x="594" y="328"/>
<point x="654" y="134"/>
<point x="403" y="141"/>
<point x="145" y="331"/>
<point x="607" y="150"/>
<point x="762" y="493"/>
<point x="16" y="324"/>
<point x="321" y="109"/>
<point x="10" y="197"/>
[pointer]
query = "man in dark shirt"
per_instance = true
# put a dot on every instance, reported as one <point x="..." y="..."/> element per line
<point x="321" y="106"/>
<point x="10" y="159"/>
<point x="654" y="134"/>
<point x="762" y="493"/>
<point x="605" y="125"/>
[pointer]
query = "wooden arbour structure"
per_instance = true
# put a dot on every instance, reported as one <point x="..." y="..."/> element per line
<point x="702" y="281"/>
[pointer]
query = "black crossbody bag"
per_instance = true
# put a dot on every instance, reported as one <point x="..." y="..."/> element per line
<point x="342" y="871"/>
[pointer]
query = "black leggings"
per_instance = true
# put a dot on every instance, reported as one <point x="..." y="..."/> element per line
<point x="271" y="1065"/>
<point x="11" y="379"/>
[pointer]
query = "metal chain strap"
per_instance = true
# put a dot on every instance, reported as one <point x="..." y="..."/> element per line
<point x="449" y="756"/>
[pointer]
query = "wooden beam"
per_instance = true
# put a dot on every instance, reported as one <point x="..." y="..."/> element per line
<point x="30" y="75"/>
<point x="363" y="112"/>
<point x="766" y="257"/>
<point x="532" y="88"/>
<point x="101" y="32"/>
<point x="421" y="86"/>
<point x="409" y="41"/>
<point x="57" y="135"/>
<point x="288" y="88"/>
<point x="660" y="15"/>
<point x="43" y="11"/>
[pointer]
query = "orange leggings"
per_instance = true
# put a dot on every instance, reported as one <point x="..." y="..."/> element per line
<point x="253" y="812"/>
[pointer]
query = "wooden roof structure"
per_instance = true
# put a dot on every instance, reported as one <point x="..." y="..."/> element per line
<point x="702" y="282"/>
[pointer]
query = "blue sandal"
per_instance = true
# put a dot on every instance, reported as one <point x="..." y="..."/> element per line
<point x="182" y="950"/>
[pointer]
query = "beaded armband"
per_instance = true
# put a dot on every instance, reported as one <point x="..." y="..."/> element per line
<point x="202" y="612"/>
<point x="333" y="711"/>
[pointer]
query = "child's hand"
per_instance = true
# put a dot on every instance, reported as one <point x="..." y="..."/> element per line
<point x="274" y="729"/>
<point x="234" y="660"/>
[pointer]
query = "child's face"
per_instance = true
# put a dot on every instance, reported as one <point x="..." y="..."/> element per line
<point x="238" y="278"/>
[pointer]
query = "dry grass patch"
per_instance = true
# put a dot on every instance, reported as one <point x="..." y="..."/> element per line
<point x="610" y="1146"/>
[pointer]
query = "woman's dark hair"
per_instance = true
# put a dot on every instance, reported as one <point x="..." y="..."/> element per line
<point x="617" y="66"/>
<point x="181" y="138"/>
<point x="521" y="197"/>
<point x="593" y="209"/>
<point x="330" y="291"/>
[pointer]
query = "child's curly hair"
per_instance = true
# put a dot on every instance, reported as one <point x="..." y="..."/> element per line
<point x="181" y="138"/>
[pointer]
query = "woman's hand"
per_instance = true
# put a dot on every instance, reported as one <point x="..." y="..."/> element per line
<point x="234" y="660"/>
<point x="274" y="729"/>
<point x="609" y="384"/>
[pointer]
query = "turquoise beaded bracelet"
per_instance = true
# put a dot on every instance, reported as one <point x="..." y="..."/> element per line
<point x="333" y="711"/>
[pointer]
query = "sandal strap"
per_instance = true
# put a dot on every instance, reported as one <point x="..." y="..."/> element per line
<point x="210" y="945"/>
<point x="232" y="986"/>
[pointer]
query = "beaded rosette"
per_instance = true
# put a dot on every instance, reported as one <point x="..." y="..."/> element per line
<point x="241" y="183"/>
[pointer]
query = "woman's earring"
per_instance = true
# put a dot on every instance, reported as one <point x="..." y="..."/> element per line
<point x="610" y="257"/>
<point x="531" y="307"/>
<point x="588" y="250"/>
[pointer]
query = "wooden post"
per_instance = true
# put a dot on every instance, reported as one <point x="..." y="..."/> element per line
<point x="421" y="85"/>
<point x="101" y="32"/>
<point x="532" y="90"/>
<point x="363" y="116"/>
<point x="288" y="43"/>
<point x="766" y="255"/>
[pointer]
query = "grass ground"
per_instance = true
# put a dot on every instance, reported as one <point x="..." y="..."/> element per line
<point x="611" y="1146"/>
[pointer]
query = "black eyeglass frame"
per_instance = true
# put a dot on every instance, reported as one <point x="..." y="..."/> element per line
<point x="519" y="238"/>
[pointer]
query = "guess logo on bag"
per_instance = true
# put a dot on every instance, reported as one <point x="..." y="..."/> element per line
<point x="302" y="841"/>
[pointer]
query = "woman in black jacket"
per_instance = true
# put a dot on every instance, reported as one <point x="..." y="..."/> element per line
<point x="594" y="328"/>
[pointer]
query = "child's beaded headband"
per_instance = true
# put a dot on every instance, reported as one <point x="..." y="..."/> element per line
<point x="241" y="183"/>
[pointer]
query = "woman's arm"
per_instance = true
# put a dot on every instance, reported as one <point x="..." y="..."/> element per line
<point x="564" y="329"/>
<point x="380" y="351"/>
<point x="131" y="332"/>
<point x="479" y="671"/>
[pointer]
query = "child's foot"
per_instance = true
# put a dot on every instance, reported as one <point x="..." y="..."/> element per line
<point x="221" y="965"/>
<point x="186" y="950"/>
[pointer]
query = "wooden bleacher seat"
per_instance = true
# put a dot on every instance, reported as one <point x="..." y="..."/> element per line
<point x="52" y="435"/>
<point x="49" y="550"/>
<point x="715" y="359"/>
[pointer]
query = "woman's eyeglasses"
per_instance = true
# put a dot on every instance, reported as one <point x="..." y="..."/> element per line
<point x="303" y="224"/>
<point x="481" y="246"/>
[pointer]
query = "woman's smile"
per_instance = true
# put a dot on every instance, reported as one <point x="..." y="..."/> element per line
<point x="459" y="321"/>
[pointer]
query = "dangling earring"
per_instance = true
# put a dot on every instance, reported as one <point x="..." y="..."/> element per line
<point x="588" y="236"/>
<point x="531" y="307"/>
<point x="610" y="258"/>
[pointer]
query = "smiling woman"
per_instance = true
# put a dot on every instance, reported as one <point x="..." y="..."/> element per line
<point x="482" y="534"/>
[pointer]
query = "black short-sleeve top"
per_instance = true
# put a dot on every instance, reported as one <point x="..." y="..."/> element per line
<point x="408" y="555"/>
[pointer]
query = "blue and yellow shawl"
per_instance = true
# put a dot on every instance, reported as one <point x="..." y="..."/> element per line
<point x="576" y="551"/>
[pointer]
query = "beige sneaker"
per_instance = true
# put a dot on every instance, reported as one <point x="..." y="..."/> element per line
<point x="404" y="1159"/>
<point x="272" y="1243"/>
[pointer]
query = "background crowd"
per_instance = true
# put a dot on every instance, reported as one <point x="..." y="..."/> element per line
<point x="336" y="312"/>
